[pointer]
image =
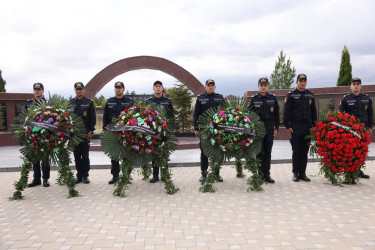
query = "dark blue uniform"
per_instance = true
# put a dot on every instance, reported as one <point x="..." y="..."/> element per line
<point x="360" y="106"/>
<point x="85" y="109"/>
<point x="112" y="109"/>
<point x="204" y="102"/>
<point x="300" y="115"/>
<point x="166" y="103"/>
<point x="268" y="109"/>
<point x="46" y="168"/>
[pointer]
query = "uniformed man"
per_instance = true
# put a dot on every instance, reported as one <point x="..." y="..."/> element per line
<point x="84" y="108"/>
<point x="39" y="97"/>
<point x="112" y="109"/>
<point x="205" y="101"/>
<point x="166" y="103"/>
<point x="359" y="105"/>
<point x="299" y="116"/>
<point x="266" y="106"/>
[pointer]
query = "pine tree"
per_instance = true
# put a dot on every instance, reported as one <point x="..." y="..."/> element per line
<point x="181" y="98"/>
<point x="345" y="73"/>
<point x="2" y="83"/>
<point x="283" y="74"/>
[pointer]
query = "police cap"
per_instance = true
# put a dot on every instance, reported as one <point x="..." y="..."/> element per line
<point x="158" y="82"/>
<point x="79" y="85"/>
<point x="356" y="79"/>
<point x="119" y="84"/>
<point x="38" y="85"/>
<point x="263" y="80"/>
<point x="210" y="81"/>
<point x="301" y="76"/>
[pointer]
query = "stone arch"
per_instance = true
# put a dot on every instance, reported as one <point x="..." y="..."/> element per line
<point x="142" y="62"/>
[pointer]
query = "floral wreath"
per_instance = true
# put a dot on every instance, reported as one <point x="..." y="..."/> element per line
<point x="231" y="131"/>
<point x="341" y="141"/>
<point x="49" y="131"/>
<point x="139" y="135"/>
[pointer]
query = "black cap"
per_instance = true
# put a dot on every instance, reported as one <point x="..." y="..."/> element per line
<point x="79" y="85"/>
<point x="156" y="82"/>
<point x="119" y="84"/>
<point x="263" y="80"/>
<point x="301" y="76"/>
<point x="356" y="79"/>
<point x="210" y="81"/>
<point x="38" y="85"/>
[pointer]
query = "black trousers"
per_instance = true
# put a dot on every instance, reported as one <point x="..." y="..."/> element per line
<point x="46" y="168"/>
<point x="204" y="160"/>
<point x="115" y="168"/>
<point x="81" y="157"/>
<point x="265" y="153"/>
<point x="155" y="169"/>
<point x="300" y="147"/>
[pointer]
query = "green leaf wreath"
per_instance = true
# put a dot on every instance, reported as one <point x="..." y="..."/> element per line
<point x="140" y="135"/>
<point x="49" y="131"/>
<point x="231" y="130"/>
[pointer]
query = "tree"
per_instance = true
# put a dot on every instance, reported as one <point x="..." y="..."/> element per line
<point x="181" y="98"/>
<point x="133" y="93"/>
<point x="283" y="74"/>
<point x="101" y="101"/>
<point x="345" y="73"/>
<point x="2" y="83"/>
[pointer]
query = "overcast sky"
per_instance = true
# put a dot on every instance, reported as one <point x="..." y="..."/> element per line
<point x="233" y="42"/>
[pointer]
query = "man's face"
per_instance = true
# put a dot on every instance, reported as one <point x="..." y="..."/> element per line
<point x="356" y="87"/>
<point x="119" y="91"/>
<point x="38" y="93"/>
<point x="79" y="93"/>
<point x="263" y="88"/>
<point x="301" y="84"/>
<point x="210" y="88"/>
<point x="158" y="88"/>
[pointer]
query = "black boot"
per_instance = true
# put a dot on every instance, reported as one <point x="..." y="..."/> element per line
<point x="304" y="177"/>
<point x="45" y="183"/>
<point x="154" y="179"/>
<point x="202" y="177"/>
<point x="268" y="179"/>
<point x="295" y="177"/>
<point x="34" y="183"/>
<point x="363" y="175"/>
<point x="113" y="180"/>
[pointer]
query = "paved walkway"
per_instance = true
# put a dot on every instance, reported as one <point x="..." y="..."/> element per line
<point x="285" y="215"/>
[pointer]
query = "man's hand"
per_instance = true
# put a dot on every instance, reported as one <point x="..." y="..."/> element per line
<point x="89" y="136"/>
<point x="197" y="133"/>
<point x="275" y="133"/>
<point x="290" y="132"/>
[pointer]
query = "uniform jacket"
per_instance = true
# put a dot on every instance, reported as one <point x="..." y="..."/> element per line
<point x="114" y="107"/>
<point x="30" y="101"/>
<point x="267" y="107"/>
<point x="299" y="107"/>
<point x="204" y="102"/>
<point x="360" y="106"/>
<point x="163" y="101"/>
<point x="85" y="109"/>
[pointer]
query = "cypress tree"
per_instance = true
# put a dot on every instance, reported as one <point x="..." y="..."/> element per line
<point x="2" y="83"/>
<point x="345" y="74"/>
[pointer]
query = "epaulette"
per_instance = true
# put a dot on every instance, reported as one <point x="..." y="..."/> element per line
<point x="253" y="95"/>
<point x="272" y="94"/>
<point x="30" y="100"/>
<point x="346" y="95"/>
<point x="364" y="94"/>
<point x="200" y="95"/>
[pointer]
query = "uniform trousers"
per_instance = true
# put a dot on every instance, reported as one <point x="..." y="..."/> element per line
<point x="81" y="157"/>
<point x="300" y="146"/>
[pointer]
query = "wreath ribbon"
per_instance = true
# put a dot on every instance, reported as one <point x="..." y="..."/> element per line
<point x="135" y="128"/>
<point x="347" y="128"/>
<point x="230" y="128"/>
<point x="48" y="126"/>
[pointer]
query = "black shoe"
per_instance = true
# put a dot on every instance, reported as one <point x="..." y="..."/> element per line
<point x="353" y="181"/>
<point x="219" y="178"/>
<point x="202" y="177"/>
<point x="113" y="180"/>
<point x="86" y="180"/>
<point x="78" y="180"/>
<point x="154" y="179"/>
<point x="45" y="183"/>
<point x="295" y="177"/>
<point x="363" y="175"/>
<point x="34" y="183"/>
<point x="304" y="177"/>
<point x="268" y="179"/>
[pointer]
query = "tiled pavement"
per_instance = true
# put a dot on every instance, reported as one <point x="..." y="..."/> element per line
<point x="285" y="215"/>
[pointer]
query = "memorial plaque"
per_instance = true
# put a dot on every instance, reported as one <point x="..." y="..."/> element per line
<point x="19" y="108"/>
<point x="3" y="116"/>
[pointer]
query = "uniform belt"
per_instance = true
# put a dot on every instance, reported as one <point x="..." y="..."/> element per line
<point x="269" y="122"/>
<point x="301" y="121"/>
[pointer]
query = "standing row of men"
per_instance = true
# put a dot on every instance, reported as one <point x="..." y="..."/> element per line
<point x="299" y="116"/>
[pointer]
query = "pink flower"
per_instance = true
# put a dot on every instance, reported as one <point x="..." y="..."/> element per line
<point x="58" y="118"/>
<point x="133" y="122"/>
<point x="47" y="112"/>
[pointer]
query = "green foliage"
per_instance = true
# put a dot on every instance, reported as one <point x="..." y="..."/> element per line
<point x="2" y="83"/>
<point x="181" y="98"/>
<point x="345" y="73"/>
<point x="21" y="184"/>
<point x="124" y="178"/>
<point x="101" y="101"/>
<point x="145" y="171"/>
<point x="217" y="156"/>
<point x="59" y="156"/>
<point x="283" y="74"/>
<point x="239" y="168"/>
